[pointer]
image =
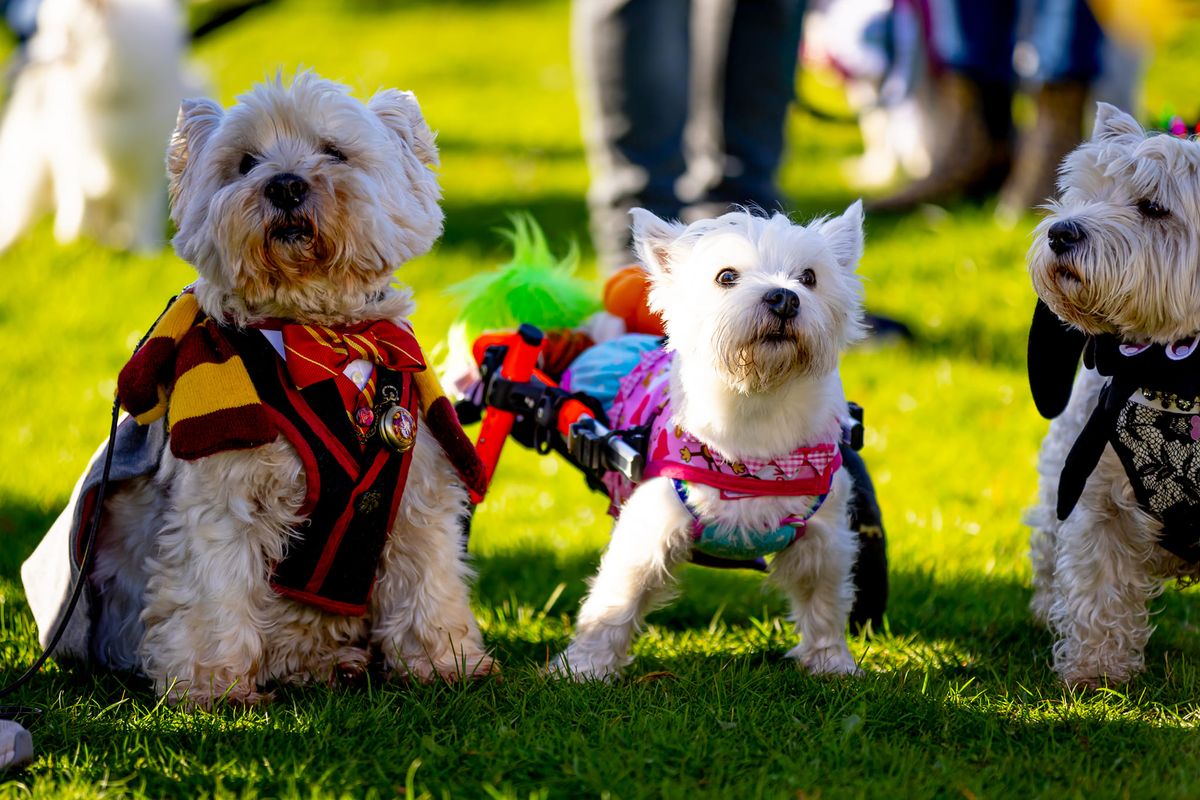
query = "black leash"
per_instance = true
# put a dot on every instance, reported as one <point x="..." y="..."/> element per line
<point x="85" y="565"/>
<point x="223" y="17"/>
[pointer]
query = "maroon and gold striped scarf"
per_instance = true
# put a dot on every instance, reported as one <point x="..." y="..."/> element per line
<point x="188" y="370"/>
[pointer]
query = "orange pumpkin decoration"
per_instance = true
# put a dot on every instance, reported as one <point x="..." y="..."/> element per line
<point x="625" y="297"/>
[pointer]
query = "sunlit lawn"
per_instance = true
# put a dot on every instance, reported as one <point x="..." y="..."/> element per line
<point x="958" y="698"/>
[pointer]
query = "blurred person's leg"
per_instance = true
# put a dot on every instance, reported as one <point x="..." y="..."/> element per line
<point x="632" y="60"/>
<point x="973" y="40"/>
<point x="744" y="79"/>
<point x="1068" y="42"/>
<point x="1122" y="68"/>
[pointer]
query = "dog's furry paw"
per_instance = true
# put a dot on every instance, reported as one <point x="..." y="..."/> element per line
<point x="835" y="660"/>
<point x="351" y="666"/>
<point x="16" y="745"/>
<point x="568" y="666"/>
<point x="480" y="665"/>
<point x="469" y="666"/>
<point x="235" y="696"/>
<point x="1089" y="679"/>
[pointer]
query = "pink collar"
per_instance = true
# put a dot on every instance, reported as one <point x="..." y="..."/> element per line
<point x="806" y="471"/>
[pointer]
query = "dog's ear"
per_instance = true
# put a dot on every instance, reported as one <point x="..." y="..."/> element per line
<point x="654" y="239"/>
<point x="1054" y="351"/>
<point x="196" y="121"/>
<point x="401" y="113"/>
<point x="844" y="236"/>
<point x="1112" y="123"/>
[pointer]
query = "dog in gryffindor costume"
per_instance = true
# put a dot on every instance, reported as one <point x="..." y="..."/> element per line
<point x="287" y="491"/>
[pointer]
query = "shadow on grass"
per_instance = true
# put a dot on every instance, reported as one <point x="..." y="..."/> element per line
<point x="449" y="144"/>
<point x="959" y="626"/>
<point x="714" y="722"/>
<point x="958" y="695"/>
<point x="529" y="577"/>
<point x="562" y="216"/>
<point x="22" y="524"/>
<point x="920" y="602"/>
<point x="984" y="619"/>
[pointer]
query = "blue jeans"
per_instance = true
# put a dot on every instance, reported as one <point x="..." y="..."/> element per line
<point x="684" y="105"/>
<point x="976" y="37"/>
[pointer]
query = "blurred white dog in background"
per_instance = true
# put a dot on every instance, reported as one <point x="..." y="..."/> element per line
<point x="88" y="121"/>
<point x="880" y="48"/>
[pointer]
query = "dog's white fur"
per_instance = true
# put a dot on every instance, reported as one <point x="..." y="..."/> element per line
<point x="183" y="561"/>
<point x="1139" y="278"/>
<point x="90" y="113"/>
<point x="747" y="397"/>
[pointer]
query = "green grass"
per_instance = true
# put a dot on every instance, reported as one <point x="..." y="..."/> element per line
<point x="958" y="699"/>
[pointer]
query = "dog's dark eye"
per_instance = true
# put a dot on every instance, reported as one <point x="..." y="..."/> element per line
<point x="1152" y="210"/>
<point x="727" y="277"/>
<point x="333" y="152"/>
<point x="808" y="278"/>
<point x="248" y="163"/>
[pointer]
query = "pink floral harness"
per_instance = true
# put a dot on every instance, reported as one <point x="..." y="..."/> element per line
<point x="805" y="474"/>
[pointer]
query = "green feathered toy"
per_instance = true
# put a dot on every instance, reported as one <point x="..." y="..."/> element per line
<point x="534" y="287"/>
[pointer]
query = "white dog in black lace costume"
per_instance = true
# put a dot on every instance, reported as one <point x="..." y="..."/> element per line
<point x="1117" y="261"/>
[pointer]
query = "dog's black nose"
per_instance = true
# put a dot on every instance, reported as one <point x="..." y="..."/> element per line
<point x="286" y="191"/>
<point x="784" y="303"/>
<point x="1064" y="235"/>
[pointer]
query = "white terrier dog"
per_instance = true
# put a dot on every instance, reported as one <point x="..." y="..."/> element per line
<point x="1117" y="260"/>
<point x="746" y="410"/>
<point x="296" y="207"/>
<point x="90" y="113"/>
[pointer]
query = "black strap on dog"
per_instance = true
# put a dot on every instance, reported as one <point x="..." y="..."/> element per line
<point x="1055" y="349"/>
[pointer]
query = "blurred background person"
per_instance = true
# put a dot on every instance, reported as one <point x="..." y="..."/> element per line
<point x="978" y="47"/>
<point x="1069" y="61"/>
<point x="684" y="106"/>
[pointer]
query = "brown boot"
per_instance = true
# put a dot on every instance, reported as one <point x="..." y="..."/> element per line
<point x="1057" y="130"/>
<point x="969" y="157"/>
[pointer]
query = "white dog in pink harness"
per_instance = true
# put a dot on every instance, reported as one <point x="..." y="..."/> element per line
<point x="804" y="475"/>
<point x="746" y="410"/>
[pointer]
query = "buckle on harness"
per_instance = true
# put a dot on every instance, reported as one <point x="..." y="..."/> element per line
<point x="597" y="448"/>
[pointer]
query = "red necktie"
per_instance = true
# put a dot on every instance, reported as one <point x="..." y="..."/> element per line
<point x="316" y="353"/>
